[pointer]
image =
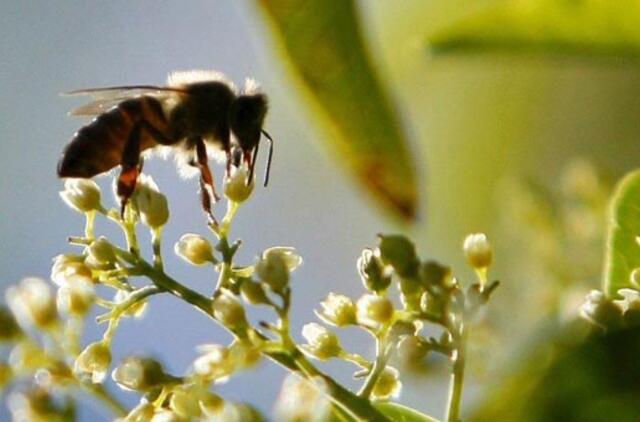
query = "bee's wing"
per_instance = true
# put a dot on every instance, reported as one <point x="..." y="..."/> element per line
<point x="105" y="98"/>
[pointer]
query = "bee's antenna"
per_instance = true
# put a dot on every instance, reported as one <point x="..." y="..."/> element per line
<point x="269" y="157"/>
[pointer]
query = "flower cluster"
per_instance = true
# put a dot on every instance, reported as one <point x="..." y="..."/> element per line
<point x="428" y="294"/>
<point x="43" y="327"/>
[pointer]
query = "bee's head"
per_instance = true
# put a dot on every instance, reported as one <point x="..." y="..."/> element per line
<point x="246" y="117"/>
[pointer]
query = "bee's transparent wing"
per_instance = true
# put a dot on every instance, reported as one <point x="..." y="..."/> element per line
<point x="105" y="98"/>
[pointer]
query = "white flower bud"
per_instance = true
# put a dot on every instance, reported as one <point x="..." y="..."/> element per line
<point x="194" y="249"/>
<point x="477" y="250"/>
<point x="235" y="186"/>
<point x="276" y="265"/>
<point x="302" y="399"/>
<point x="253" y="293"/>
<point x="374" y="310"/>
<point x="388" y="385"/>
<point x="66" y="266"/>
<point x="139" y="374"/>
<point x="322" y="343"/>
<point x="337" y="310"/>
<point x="600" y="310"/>
<point x="81" y="194"/>
<point x="6" y="375"/>
<point x="229" y="311"/>
<point x="33" y="299"/>
<point x="9" y="328"/>
<point x="213" y="364"/>
<point x="211" y="405"/>
<point x="152" y="205"/>
<point x="93" y="362"/>
<point x="77" y="296"/>
<point x="100" y="252"/>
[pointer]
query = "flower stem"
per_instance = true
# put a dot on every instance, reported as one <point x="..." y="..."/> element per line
<point x="98" y="391"/>
<point x="457" y="376"/>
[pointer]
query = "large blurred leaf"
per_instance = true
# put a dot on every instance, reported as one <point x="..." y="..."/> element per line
<point x="623" y="250"/>
<point x="399" y="413"/>
<point x="323" y="41"/>
<point x="595" y="379"/>
<point x="573" y="27"/>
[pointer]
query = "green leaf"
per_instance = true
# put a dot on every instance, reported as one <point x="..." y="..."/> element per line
<point x="623" y="250"/>
<point x="592" y="28"/>
<point x="399" y="413"/>
<point x="570" y="377"/>
<point x="322" y="40"/>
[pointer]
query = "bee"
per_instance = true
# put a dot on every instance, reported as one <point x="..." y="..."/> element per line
<point x="196" y="113"/>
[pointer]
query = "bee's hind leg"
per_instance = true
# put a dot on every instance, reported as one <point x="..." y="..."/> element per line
<point x="131" y="167"/>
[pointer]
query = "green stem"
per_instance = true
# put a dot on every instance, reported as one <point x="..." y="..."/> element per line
<point x="382" y="356"/>
<point x="98" y="391"/>
<point x="89" y="227"/>
<point x="457" y="376"/>
<point x="361" y="409"/>
<point x="156" y="242"/>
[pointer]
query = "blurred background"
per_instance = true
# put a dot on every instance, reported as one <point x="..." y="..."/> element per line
<point x="516" y="118"/>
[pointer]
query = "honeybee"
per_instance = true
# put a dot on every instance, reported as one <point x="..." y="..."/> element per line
<point x="196" y="111"/>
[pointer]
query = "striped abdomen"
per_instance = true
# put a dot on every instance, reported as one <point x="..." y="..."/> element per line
<point x="98" y="146"/>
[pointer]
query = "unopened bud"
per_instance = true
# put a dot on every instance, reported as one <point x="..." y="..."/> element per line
<point x="100" y="253"/>
<point x="194" y="249"/>
<point x="229" y="311"/>
<point x="236" y="188"/>
<point x="275" y="266"/>
<point x="337" y="310"/>
<point x="93" y="362"/>
<point x="211" y="404"/>
<point x="33" y="299"/>
<point x="400" y="253"/>
<point x="388" y="385"/>
<point x="151" y="203"/>
<point x="303" y="399"/>
<point x="373" y="310"/>
<point x="253" y="293"/>
<point x="214" y="363"/>
<point x="139" y="374"/>
<point x="322" y="343"/>
<point x="601" y="311"/>
<point x="477" y="250"/>
<point x="412" y="350"/>
<point x="77" y="297"/>
<point x="630" y="305"/>
<point x="67" y="266"/>
<point x="9" y="328"/>
<point x="6" y="375"/>
<point x="81" y="194"/>
<point x="372" y="272"/>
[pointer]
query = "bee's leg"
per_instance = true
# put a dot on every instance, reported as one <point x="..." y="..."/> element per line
<point x="131" y="166"/>
<point x="207" y="188"/>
